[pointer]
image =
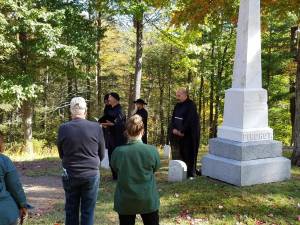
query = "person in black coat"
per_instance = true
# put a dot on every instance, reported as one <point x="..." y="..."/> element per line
<point x="185" y="132"/>
<point x="141" y="111"/>
<point x="105" y="117"/>
<point x="115" y="126"/>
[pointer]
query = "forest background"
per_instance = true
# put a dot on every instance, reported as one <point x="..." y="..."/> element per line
<point x="53" y="50"/>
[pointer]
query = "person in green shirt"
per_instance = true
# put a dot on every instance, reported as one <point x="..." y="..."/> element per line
<point x="13" y="202"/>
<point x="135" y="164"/>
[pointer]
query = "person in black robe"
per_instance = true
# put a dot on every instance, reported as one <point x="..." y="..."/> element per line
<point x="184" y="134"/>
<point x="105" y="118"/>
<point x="115" y="125"/>
<point x="141" y="111"/>
<point x="107" y="106"/>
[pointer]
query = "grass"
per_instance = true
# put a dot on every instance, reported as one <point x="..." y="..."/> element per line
<point x="199" y="201"/>
<point x="41" y="151"/>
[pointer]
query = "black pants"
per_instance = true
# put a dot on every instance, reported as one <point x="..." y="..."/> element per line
<point x="148" y="219"/>
<point x="114" y="174"/>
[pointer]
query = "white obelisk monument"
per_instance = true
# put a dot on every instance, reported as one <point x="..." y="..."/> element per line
<point x="244" y="153"/>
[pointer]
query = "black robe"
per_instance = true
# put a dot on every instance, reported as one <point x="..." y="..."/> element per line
<point x="144" y="114"/>
<point x="185" y="119"/>
<point x="106" y="116"/>
<point x="104" y="119"/>
<point x="115" y="136"/>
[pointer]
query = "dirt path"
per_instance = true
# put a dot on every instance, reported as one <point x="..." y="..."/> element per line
<point x="43" y="192"/>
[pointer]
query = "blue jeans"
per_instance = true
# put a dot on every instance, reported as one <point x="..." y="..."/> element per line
<point x="81" y="192"/>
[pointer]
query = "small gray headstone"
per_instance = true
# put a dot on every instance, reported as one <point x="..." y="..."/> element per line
<point x="177" y="171"/>
<point x="105" y="161"/>
<point x="167" y="151"/>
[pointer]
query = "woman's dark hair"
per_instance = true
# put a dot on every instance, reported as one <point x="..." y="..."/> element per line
<point x="106" y="97"/>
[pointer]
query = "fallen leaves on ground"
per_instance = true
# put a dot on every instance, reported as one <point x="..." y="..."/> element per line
<point x="185" y="215"/>
<point x="258" y="222"/>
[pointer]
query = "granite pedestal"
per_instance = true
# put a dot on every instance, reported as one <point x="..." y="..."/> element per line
<point x="245" y="164"/>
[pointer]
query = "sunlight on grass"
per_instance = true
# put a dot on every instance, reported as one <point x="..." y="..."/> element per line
<point x="41" y="151"/>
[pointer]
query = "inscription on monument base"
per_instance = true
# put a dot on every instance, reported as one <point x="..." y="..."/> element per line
<point x="241" y="135"/>
<point x="257" y="136"/>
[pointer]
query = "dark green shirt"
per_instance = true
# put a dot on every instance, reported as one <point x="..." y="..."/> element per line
<point x="136" y="191"/>
<point x="12" y="195"/>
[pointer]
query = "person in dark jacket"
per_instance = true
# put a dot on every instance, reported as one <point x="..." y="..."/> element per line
<point x="136" y="190"/>
<point x="141" y="111"/>
<point x="185" y="131"/>
<point x="13" y="204"/>
<point x="106" y="109"/>
<point x="105" y="117"/>
<point x="81" y="147"/>
<point x="115" y="127"/>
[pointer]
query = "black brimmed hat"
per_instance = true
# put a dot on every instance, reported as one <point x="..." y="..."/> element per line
<point x="140" y="101"/>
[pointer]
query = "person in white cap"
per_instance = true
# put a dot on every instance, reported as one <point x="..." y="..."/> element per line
<point x="81" y="147"/>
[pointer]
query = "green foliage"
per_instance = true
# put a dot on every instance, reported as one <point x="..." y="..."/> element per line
<point x="133" y="7"/>
<point x="48" y="54"/>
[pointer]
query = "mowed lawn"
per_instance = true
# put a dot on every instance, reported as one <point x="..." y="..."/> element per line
<point x="200" y="201"/>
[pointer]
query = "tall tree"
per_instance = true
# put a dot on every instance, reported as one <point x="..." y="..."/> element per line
<point x="137" y="9"/>
<point x="296" y="152"/>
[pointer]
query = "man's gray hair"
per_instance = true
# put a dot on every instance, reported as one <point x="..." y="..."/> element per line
<point x="78" y="106"/>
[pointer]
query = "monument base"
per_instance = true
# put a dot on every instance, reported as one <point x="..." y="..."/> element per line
<point x="255" y="163"/>
<point x="243" y="151"/>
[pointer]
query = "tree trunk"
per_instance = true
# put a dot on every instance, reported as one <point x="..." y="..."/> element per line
<point x="189" y="81"/>
<point x="203" y="115"/>
<point x="161" y="114"/>
<point x="130" y="96"/>
<point x="293" y="46"/>
<point x="211" y="93"/>
<point x="139" y="56"/>
<point x="45" y="101"/>
<point x="27" y="113"/>
<point x="221" y="65"/>
<point x="200" y="94"/>
<point x="200" y="104"/>
<point x="292" y="109"/>
<point x="296" y="152"/>
<point x="88" y="92"/>
<point x="98" y="66"/>
<point x="269" y="60"/>
<point x="27" y="107"/>
<point x="70" y="93"/>
<point x="169" y="112"/>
